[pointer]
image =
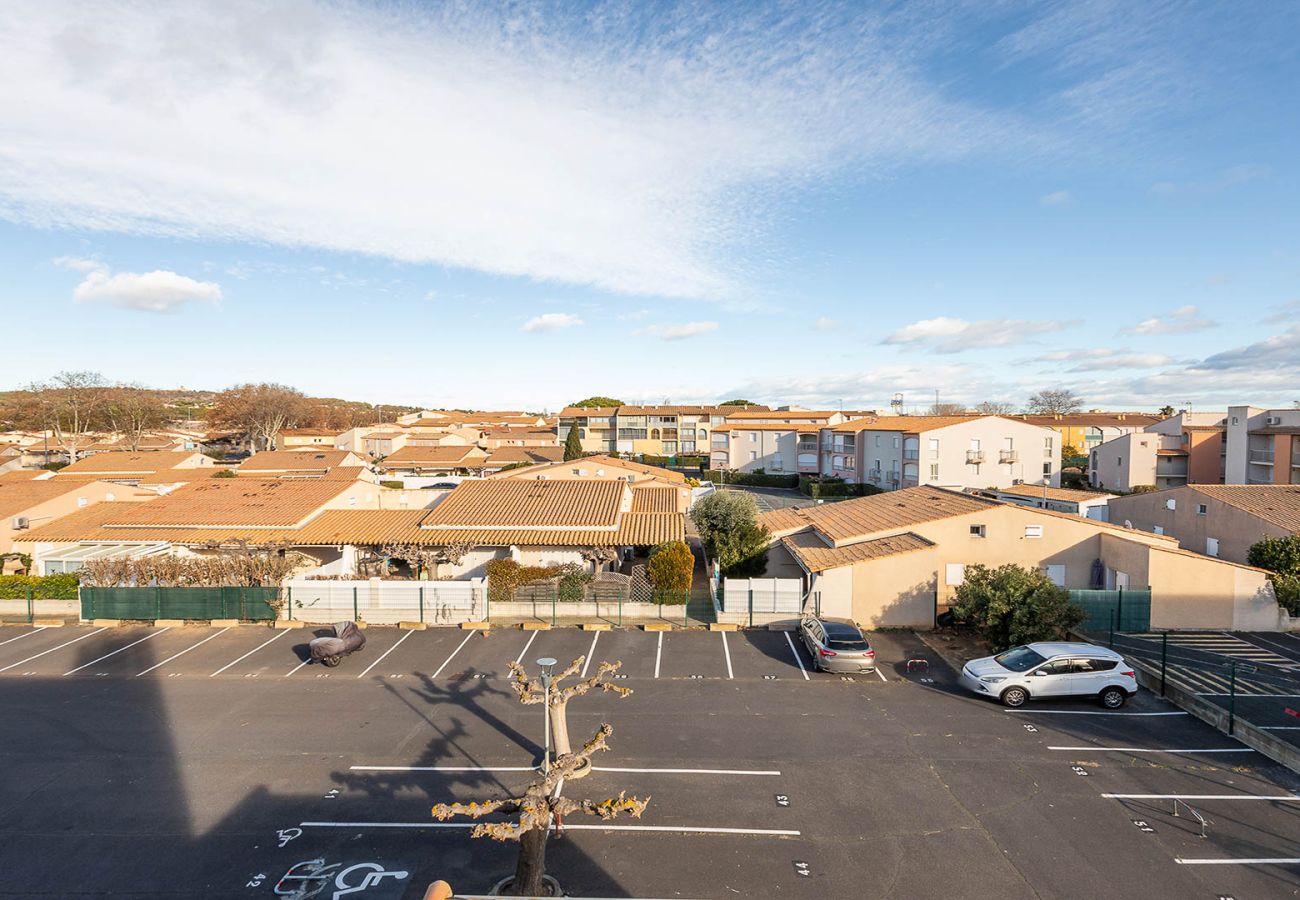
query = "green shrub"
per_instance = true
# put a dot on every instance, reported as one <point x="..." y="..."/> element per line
<point x="1144" y="489"/>
<point x="49" y="587"/>
<point x="392" y="484"/>
<point x="750" y="479"/>
<point x="1281" y="557"/>
<point x="505" y="577"/>
<point x="728" y="526"/>
<point x="822" y="488"/>
<point x="672" y="565"/>
<point x="224" y="473"/>
<point x="1013" y="605"/>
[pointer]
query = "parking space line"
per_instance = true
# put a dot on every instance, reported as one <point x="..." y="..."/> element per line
<point x="23" y="635"/>
<point x="52" y="649"/>
<point x="1156" y="749"/>
<point x="117" y="651"/>
<point x="727" y="651"/>
<point x="250" y="653"/>
<point x="796" y="656"/>
<point x="1272" y="643"/>
<point x="385" y="653"/>
<point x="1266" y="861"/>
<point x="453" y="653"/>
<point x="1279" y="727"/>
<point x="591" y="651"/>
<point x="687" y="771"/>
<point x="443" y="768"/>
<point x="297" y="667"/>
<point x="659" y="652"/>
<point x="881" y="674"/>
<point x="532" y="637"/>
<point x="1283" y="797"/>
<point x="183" y="652"/>
<point x="1089" y="712"/>
<point x="677" y="829"/>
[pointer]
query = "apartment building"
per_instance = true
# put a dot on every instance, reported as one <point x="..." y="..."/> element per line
<point x="1220" y="520"/>
<point x="649" y="430"/>
<point x="1187" y="448"/>
<point x="307" y="437"/>
<point x="1083" y="431"/>
<point x="1262" y="446"/>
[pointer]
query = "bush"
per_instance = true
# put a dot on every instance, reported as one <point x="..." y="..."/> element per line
<point x="820" y="488"/>
<point x="1144" y="489"/>
<point x="672" y="565"/>
<point x="682" y="460"/>
<point x="750" y="479"/>
<point x="505" y="577"/>
<point x="728" y="526"/>
<point x="224" y="473"/>
<point x="49" y="587"/>
<point x="54" y="466"/>
<point x="1281" y="557"/>
<point x="1012" y="605"/>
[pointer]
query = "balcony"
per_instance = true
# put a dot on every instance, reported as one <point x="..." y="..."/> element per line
<point x="974" y="457"/>
<point x="805" y="448"/>
<point x="893" y="479"/>
<point x="1262" y="457"/>
<point x="1008" y="456"/>
<point x="911" y="454"/>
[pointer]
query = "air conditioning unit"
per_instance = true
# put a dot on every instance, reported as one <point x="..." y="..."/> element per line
<point x="1273" y="420"/>
<point x="21" y="522"/>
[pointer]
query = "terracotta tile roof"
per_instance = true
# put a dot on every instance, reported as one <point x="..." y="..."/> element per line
<point x="597" y="461"/>
<point x="1278" y="504"/>
<point x="414" y="456"/>
<point x="783" y="520"/>
<point x="382" y="435"/>
<point x="754" y="412"/>
<point x="504" y="456"/>
<point x="24" y="475"/>
<point x="811" y="428"/>
<point x="907" y="424"/>
<point x="235" y="502"/>
<point x="316" y="459"/>
<point x="817" y="556"/>
<point x="1065" y="495"/>
<point x="1095" y="420"/>
<point x="127" y="463"/>
<point x="19" y="496"/>
<point x="310" y="432"/>
<point x="655" y="500"/>
<point x="576" y="412"/>
<point x="683" y="410"/>
<point x="848" y="520"/>
<point x="576" y="503"/>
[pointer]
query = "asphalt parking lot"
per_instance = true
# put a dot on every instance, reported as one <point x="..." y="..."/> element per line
<point x="192" y="762"/>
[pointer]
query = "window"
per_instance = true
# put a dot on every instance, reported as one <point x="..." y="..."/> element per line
<point x="577" y="471"/>
<point x="1171" y="503"/>
<point x="1057" y="575"/>
<point x="753" y="437"/>
<point x="1157" y="529"/>
<point x="753" y="455"/>
<point x="1033" y="531"/>
<point x="1047" y="470"/>
<point x="934" y="471"/>
<point x="1211" y="546"/>
<point x="1047" y="446"/>
<point x="1008" y="444"/>
<point x="934" y="448"/>
<point x="82" y="501"/>
<point x="1119" y="460"/>
<point x="896" y="439"/>
<point x="850" y="462"/>
<point x="1202" y="509"/>
<point x="877" y="440"/>
<point x="1097" y="665"/>
<point x="955" y="573"/>
<point x="978" y="531"/>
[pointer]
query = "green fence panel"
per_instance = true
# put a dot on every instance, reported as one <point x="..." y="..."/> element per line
<point x="1124" y="610"/>
<point x="179" y="603"/>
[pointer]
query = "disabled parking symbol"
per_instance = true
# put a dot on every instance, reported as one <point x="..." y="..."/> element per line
<point x="376" y="874"/>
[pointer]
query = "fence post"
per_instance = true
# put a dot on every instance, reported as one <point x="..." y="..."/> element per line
<point x="1113" y="617"/>
<point x="1232" y="695"/>
<point x="620" y="609"/>
<point x="421" y="603"/>
<point x="487" y="601"/>
<point x="1119" y="611"/>
<point x="30" y="613"/>
<point x="1164" y="660"/>
<point x="157" y="592"/>
<point x="555" y="597"/>
<point x="355" y="613"/>
<point x="289" y="602"/>
<point x="751" y="605"/>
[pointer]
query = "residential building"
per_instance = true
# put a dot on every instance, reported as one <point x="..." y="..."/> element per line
<point x="1221" y="520"/>
<point x="126" y="467"/>
<point x="494" y="438"/>
<point x="604" y="468"/>
<point x="516" y="457"/>
<point x="28" y="503"/>
<point x="666" y="430"/>
<point x="897" y="559"/>
<point x="1262" y="446"/>
<point x="307" y="437"/>
<point x="305" y="463"/>
<point x="1086" y="430"/>
<point x="1088" y="504"/>
<point x="754" y="446"/>
<point x="379" y="444"/>
<point x="415" y="460"/>
<point x="1178" y="450"/>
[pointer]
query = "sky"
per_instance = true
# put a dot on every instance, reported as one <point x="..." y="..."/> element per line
<point x="514" y="206"/>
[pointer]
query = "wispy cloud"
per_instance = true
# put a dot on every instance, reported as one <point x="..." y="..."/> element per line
<point x="1056" y="198"/>
<point x="156" y="292"/>
<point x="553" y="321"/>
<point x="1105" y="358"/>
<point x="1180" y="321"/>
<point x="678" y="332"/>
<point x="826" y="323"/>
<point x="950" y="335"/>
<point x="1229" y="178"/>
<point x="78" y="263"/>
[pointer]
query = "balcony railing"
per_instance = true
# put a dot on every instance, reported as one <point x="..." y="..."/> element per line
<point x="806" y="448"/>
<point x="1008" y="456"/>
<point x="974" y="457"/>
<point x="911" y="454"/>
<point x="1264" y="457"/>
<point x="893" y="478"/>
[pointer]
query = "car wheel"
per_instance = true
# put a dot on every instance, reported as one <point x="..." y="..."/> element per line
<point x="331" y="661"/>
<point x="1014" y="697"/>
<point x="1113" y="698"/>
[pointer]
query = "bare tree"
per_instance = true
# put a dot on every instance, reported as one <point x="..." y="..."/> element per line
<point x="540" y="805"/>
<point x="1054" y="402"/>
<point x="131" y="411"/>
<point x="994" y="408"/>
<point x="947" y="409"/>
<point x="261" y="411"/>
<point x="69" y="406"/>
<point x="598" y="556"/>
<point x="531" y="690"/>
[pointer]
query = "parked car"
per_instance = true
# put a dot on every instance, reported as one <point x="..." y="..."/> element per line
<point x="1050" y="669"/>
<point x="837" y="645"/>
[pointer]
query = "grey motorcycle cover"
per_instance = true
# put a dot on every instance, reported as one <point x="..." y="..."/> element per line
<point x="347" y="638"/>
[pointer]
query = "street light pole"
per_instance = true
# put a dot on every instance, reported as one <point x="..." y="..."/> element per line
<point x="547" y="663"/>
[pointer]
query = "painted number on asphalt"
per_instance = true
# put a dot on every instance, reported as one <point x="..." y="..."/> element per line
<point x="1078" y="770"/>
<point x="769" y="678"/>
<point x="256" y="880"/>
<point x="927" y="681"/>
<point x="782" y="800"/>
<point x="1030" y="728"/>
<point x="1143" y="826"/>
<point x="802" y="869"/>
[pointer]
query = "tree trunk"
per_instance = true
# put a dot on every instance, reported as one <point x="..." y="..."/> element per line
<point x="532" y="863"/>
<point x="560" y="729"/>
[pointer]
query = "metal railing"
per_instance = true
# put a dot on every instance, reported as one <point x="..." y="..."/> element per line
<point x="1008" y="456"/>
<point x="974" y="457"/>
<point x="1261" y="456"/>
<point x="1191" y="811"/>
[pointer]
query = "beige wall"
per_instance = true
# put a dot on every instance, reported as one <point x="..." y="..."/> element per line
<point x="1233" y="528"/>
<point x="1124" y="463"/>
<point x="76" y="498"/>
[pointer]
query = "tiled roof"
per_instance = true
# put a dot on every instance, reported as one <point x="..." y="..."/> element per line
<point x="309" y="432"/>
<point x="600" y="412"/>
<point x="816" y="556"/>
<point x="235" y="502"/>
<point x="1066" y="495"/>
<point x="736" y="413"/>
<point x="306" y="459"/>
<point x="783" y="520"/>
<point x="1278" y="504"/>
<point x="846" y="520"/>
<point x="576" y="503"/>
<point x="1095" y="420"/>
<point x="655" y="500"/>
<point x="417" y="456"/>
<point x="504" y="456"/>
<point x="127" y="463"/>
<point x="597" y="461"/>
<point x="810" y="427"/>
<point x="908" y="424"/>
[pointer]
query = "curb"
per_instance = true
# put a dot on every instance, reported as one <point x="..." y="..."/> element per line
<point x="168" y="623"/>
<point x="48" y="623"/>
<point x="285" y="624"/>
<point x="535" y="626"/>
<point x="595" y="626"/>
<point x="781" y="626"/>
<point x="656" y="626"/>
<point x="223" y="623"/>
<point x="476" y="626"/>
<point x="106" y="623"/>
<point x="411" y="626"/>
<point x="723" y="626"/>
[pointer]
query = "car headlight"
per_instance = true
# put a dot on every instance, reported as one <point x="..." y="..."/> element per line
<point x="993" y="679"/>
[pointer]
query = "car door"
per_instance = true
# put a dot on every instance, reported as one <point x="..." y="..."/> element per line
<point x="814" y="637"/>
<point x="1049" y="679"/>
<point x="1091" y="675"/>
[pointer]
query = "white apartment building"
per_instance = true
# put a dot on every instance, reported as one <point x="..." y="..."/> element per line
<point x="1263" y="446"/>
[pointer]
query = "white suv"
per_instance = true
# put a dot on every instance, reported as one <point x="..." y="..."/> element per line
<point x="1051" y="669"/>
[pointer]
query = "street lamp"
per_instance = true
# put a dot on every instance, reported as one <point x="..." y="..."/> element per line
<point x="547" y="663"/>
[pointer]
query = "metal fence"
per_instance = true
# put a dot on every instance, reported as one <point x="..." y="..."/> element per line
<point x="249" y="603"/>
<point x="381" y="602"/>
<point x="1120" y="610"/>
<point x="607" y="601"/>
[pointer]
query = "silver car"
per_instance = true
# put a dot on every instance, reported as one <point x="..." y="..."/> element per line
<point x="837" y="645"/>
<point x="1051" y="669"/>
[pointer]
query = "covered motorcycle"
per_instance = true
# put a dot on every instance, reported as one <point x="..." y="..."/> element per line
<point x="328" y="651"/>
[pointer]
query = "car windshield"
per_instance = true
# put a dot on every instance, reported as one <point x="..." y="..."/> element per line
<point x="847" y="643"/>
<point x="1019" y="659"/>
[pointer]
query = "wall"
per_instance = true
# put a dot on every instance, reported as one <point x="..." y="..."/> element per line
<point x="1124" y="463"/>
<point x="1205" y="459"/>
<point x="1234" y="528"/>
<point x="379" y="602"/>
<point x="77" y="497"/>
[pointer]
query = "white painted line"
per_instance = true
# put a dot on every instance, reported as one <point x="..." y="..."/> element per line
<point x="183" y="652"/>
<point x="1088" y="712"/>
<point x="727" y="651"/>
<point x="250" y="653"/>
<point x="1243" y="694"/>
<point x="117" y="651"/>
<point x="1155" y="750"/>
<point x="688" y="771"/>
<point x="591" y="651"/>
<point x="1280" y="727"/>
<point x="678" y="829"/>
<point x="659" y="653"/>
<point x="385" y="653"/>
<point x="1273" y="861"/>
<point x="1282" y="797"/>
<point x="881" y="674"/>
<point x="532" y="637"/>
<point x="23" y="635"/>
<point x="52" y="649"/>
<point x="796" y="655"/>
<point x="443" y="768"/>
<point x="297" y="667"/>
<point x="453" y="653"/>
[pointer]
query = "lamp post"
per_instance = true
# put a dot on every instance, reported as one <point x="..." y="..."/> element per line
<point x="547" y="663"/>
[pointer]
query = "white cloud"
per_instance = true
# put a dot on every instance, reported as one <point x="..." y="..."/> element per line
<point x="949" y="335"/>
<point x="1056" y="198"/>
<point x="826" y="323"/>
<point x="78" y="264"/>
<point x="551" y="322"/>
<point x="1229" y="178"/>
<point x="158" y="291"/>
<point x="679" y="332"/>
<point x="1179" y="321"/>
<point x="1096" y="358"/>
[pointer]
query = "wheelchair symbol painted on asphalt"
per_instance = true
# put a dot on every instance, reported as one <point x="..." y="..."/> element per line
<point x="312" y="878"/>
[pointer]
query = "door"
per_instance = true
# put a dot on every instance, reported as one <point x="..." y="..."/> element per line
<point x="1050" y="679"/>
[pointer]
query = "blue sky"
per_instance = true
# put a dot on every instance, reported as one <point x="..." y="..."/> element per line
<point x="520" y="205"/>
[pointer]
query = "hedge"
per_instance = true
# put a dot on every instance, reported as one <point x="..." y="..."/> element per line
<point x="505" y="576"/>
<point x="50" y="587"/>
<point x="681" y="461"/>
<point x="819" y="488"/>
<point x="750" y="479"/>
<point x="398" y="485"/>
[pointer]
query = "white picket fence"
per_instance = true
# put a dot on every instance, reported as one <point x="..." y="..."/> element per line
<point x="379" y="602"/>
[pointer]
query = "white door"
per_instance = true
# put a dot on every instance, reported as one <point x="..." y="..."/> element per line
<point x="1050" y="679"/>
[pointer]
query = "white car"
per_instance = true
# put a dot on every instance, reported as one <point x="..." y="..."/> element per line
<point x="1050" y="669"/>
